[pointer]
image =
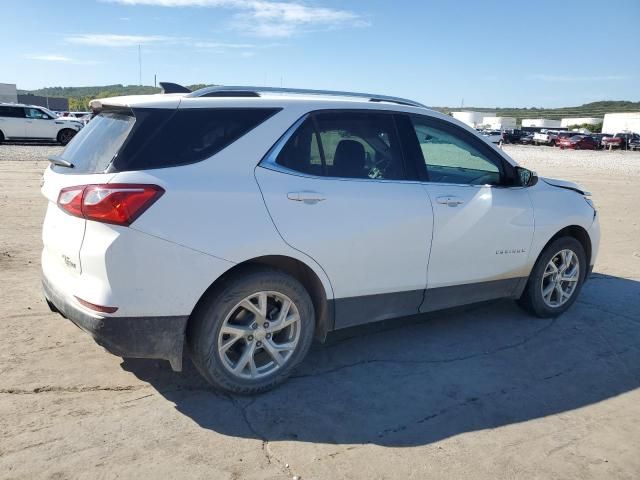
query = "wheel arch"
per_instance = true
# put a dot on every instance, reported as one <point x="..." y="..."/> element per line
<point x="299" y="270"/>
<point x="577" y="232"/>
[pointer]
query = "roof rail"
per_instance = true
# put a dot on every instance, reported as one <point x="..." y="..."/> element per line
<point x="243" y="91"/>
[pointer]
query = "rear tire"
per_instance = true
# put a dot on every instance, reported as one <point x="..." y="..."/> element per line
<point x="1" y="137"/>
<point x="233" y="334"/>
<point x="547" y="276"/>
<point x="65" y="136"/>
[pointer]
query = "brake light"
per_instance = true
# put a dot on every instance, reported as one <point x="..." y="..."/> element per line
<point x="116" y="203"/>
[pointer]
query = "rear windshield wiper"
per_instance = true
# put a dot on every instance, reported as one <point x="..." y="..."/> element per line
<point x="57" y="160"/>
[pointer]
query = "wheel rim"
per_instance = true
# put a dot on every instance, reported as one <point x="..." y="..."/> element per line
<point x="259" y="335"/>
<point x="560" y="278"/>
<point x="66" y="137"/>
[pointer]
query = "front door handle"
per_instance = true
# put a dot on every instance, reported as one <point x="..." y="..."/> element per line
<point x="449" y="200"/>
<point x="306" y="197"/>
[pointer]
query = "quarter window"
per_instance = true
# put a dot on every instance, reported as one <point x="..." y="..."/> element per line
<point x="449" y="157"/>
<point x="345" y="145"/>
<point x="12" y="112"/>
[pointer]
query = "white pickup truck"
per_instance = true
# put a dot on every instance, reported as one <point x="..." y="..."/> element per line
<point x="546" y="137"/>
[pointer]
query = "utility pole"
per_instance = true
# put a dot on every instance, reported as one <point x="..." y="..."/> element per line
<point x="155" y="79"/>
<point x="139" y="64"/>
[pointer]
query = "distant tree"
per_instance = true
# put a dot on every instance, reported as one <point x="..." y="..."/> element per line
<point x="593" y="128"/>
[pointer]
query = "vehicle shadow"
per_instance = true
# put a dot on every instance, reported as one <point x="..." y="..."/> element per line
<point x="418" y="380"/>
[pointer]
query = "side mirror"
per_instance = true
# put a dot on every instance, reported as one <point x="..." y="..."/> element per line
<point x="527" y="177"/>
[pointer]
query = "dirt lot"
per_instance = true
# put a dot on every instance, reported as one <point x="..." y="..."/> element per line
<point x="484" y="392"/>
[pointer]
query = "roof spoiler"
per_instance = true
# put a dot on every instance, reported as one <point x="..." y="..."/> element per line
<point x="168" y="87"/>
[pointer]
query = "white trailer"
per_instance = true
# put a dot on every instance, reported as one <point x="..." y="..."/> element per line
<point x="473" y="119"/>
<point x="621" y="122"/>
<point x="541" y="123"/>
<point x="499" y="123"/>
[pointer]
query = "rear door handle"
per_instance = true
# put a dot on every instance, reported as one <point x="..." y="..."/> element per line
<point x="449" y="200"/>
<point x="306" y="197"/>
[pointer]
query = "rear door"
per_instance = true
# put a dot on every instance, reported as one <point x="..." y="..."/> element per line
<point x="337" y="190"/>
<point x="12" y="121"/>
<point x="90" y="152"/>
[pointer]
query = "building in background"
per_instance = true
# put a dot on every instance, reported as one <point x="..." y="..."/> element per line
<point x="541" y="123"/>
<point x="567" y="122"/>
<point x="52" y="103"/>
<point x="8" y="92"/>
<point x="473" y="119"/>
<point x="499" y="123"/>
<point x="621" y="122"/>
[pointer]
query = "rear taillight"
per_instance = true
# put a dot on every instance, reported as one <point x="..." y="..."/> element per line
<point x="116" y="203"/>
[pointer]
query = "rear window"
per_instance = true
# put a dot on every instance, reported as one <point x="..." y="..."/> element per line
<point x="93" y="148"/>
<point x="157" y="138"/>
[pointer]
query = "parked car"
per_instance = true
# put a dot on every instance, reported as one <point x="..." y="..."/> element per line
<point x="168" y="225"/>
<point x="564" y="135"/>
<point x="597" y="137"/>
<point x="492" y="136"/>
<point x="577" y="142"/>
<point x="634" y="143"/>
<point x="527" y="139"/>
<point x="29" y="122"/>
<point x="619" y="140"/>
<point x="545" y="137"/>
<point x="513" y="135"/>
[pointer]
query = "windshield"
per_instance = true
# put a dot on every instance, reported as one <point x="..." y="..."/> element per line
<point x="95" y="146"/>
<point x="53" y="114"/>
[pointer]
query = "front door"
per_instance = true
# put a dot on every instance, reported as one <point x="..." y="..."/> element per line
<point x="483" y="224"/>
<point x="337" y="191"/>
<point x="39" y="124"/>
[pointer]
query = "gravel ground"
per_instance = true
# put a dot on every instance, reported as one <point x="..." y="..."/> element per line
<point x="614" y="161"/>
<point x="28" y="153"/>
<point x="478" y="393"/>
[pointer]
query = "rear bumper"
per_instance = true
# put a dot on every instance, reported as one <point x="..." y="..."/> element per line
<point x="134" y="337"/>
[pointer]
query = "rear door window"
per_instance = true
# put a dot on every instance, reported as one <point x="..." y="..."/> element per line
<point x="345" y="144"/>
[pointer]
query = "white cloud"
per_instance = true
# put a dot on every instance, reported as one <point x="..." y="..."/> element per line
<point x="576" y="78"/>
<point x="114" y="40"/>
<point x="49" y="58"/>
<point x="221" y="45"/>
<point x="268" y="18"/>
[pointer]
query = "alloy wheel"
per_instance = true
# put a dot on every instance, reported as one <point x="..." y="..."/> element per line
<point x="259" y="335"/>
<point x="560" y="278"/>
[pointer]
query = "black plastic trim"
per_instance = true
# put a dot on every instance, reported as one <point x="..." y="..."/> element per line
<point x="352" y="311"/>
<point x="133" y="337"/>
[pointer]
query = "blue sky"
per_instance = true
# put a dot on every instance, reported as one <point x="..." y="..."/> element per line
<point x="489" y="53"/>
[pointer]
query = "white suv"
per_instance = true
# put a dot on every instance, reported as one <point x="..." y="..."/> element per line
<point x="243" y="221"/>
<point x="28" y="122"/>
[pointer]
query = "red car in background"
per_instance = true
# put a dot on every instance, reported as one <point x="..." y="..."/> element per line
<point x="578" y="142"/>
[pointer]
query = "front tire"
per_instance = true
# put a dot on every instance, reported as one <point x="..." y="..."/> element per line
<point x="65" y="136"/>
<point x="556" y="278"/>
<point x="249" y="333"/>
